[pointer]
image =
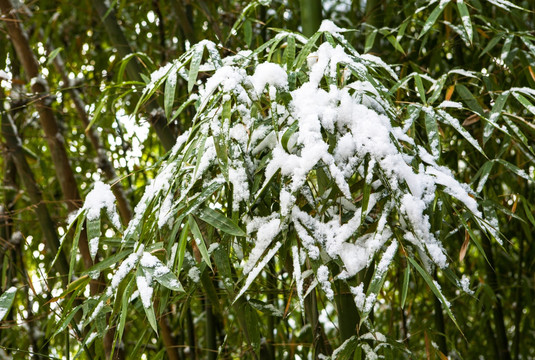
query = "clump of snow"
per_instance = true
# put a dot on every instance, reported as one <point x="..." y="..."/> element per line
<point x="464" y="283"/>
<point x="194" y="274"/>
<point x="269" y="74"/>
<point x="323" y="279"/>
<point x="330" y="27"/>
<point x="145" y="289"/>
<point x="101" y="197"/>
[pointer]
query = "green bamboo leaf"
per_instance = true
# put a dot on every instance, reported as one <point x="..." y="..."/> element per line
<point x="528" y="209"/>
<point x="305" y="51"/>
<point x="74" y="248"/>
<point x="453" y="122"/>
<point x="151" y="317"/>
<point x="124" y="311"/>
<point x="93" y="235"/>
<point x="525" y="102"/>
<point x="483" y="175"/>
<point x="288" y="134"/>
<point x="81" y="282"/>
<point x="492" y="43"/>
<point x="163" y="275"/>
<point x="433" y="17"/>
<point x="53" y="55"/>
<point x="248" y="32"/>
<point x="405" y="287"/>
<point x="197" y="234"/>
<point x="420" y="87"/>
<point x="220" y="222"/>
<point x="96" y="114"/>
<point x="514" y="169"/>
<point x="395" y="43"/>
<point x="67" y="320"/>
<point x="182" y="242"/>
<point x="346" y="351"/>
<point x="439" y="85"/>
<point x="108" y="261"/>
<point x="465" y="18"/>
<point x="181" y="109"/>
<point x="495" y="114"/>
<point x="194" y="66"/>
<point x="6" y="301"/>
<point x="169" y="93"/>
<point x="370" y="40"/>
<point x="470" y="99"/>
<point x="431" y="283"/>
<point x="289" y="53"/>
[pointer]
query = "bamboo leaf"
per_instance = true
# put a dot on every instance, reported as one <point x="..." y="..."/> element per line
<point x="433" y="17"/>
<point x="194" y="66"/>
<point x="199" y="240"/>
<point x="405" y="287"/>
<point x="220" y="222"/>
<point x="433" y="139"/>
<point x="431" y="283"/>
<point x="67" y="320"/>
<point x="465" y="18"/>
<point x="169" y="94"/>
<point x="6" y="301"/>
<point x="420" y="87"/>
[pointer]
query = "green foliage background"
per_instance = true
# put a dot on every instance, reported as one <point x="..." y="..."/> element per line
<point x="480" y="54"/>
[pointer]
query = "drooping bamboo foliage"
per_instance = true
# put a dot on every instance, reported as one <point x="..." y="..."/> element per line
<point x="204" y="274"/>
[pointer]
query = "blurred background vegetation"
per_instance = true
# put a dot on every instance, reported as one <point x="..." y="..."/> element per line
<point x="63" y="62"/>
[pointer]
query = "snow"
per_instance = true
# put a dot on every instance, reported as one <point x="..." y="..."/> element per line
<point x="464" y="283"/>
<point x="269" y="74"/>
<point x="450" y="104"/>
<point x="145" y="289"/>
<point x="323" y="279"/>
<point x="101" y="197"/>
<point x="93" y="246"/>
<point x="126" y="266"/>
<point x="330" y="27"/>
<point x="194" y="274"/>
<point x="266" y="232"/>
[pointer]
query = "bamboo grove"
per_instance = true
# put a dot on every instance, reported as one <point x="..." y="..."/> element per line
<point x="267" y="179"/>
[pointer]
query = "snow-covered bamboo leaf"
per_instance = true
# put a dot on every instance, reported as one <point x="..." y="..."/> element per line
<point x="194" y="66"/>
<point x="448" y="119"/>
<point x="433" y="135"/>
<point x="6" y="301"/>
<point x="169" y="93"/>
<point x="433" y="17"/>
<point x="465" y="18"/>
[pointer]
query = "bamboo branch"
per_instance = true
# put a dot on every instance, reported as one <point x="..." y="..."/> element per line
<point x="134" y="69"/>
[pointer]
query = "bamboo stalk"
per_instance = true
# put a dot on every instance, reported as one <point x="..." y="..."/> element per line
<point x="48" y="228"/>
<point x="311" y="16"/>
